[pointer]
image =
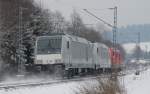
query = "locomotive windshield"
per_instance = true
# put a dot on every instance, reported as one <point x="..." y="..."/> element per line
<point x="49" y="46"/>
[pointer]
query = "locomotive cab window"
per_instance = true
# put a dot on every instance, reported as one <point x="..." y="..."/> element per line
<point x="49" y="45"/>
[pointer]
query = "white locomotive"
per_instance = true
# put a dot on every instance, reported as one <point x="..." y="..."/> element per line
<point x="70" y="55"/>
<point x="101" y="57"/>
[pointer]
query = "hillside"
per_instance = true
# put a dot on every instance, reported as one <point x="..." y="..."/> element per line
<point x="129" y="33"/>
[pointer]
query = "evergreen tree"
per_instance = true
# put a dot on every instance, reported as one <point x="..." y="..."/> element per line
<point x="31" y="23"/>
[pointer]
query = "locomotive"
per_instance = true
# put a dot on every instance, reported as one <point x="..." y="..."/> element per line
<point x="71" y="55"/>
<point x="116" y="59"/>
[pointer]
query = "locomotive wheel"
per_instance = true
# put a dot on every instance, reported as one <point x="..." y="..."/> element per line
<point x="76" y="71"/>
<point x="69" y="73"/>
<point x="59" y="70"/>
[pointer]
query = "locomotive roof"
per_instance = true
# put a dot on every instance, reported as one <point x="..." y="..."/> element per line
<point x="76" y="38"/>
<point x="72" y="37"/>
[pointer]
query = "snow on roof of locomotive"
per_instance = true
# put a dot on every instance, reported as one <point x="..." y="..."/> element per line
<point x="72" y="37"/>
<point x="76" y="38"/>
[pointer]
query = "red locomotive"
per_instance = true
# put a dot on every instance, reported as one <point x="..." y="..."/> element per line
<point x="116" y="58"/>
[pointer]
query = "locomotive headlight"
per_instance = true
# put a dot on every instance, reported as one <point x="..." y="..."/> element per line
<point x="39" y="61"/>
<point x="58" y="61"/>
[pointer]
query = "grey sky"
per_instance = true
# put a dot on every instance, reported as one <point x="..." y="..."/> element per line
<point x="129" y="11"/>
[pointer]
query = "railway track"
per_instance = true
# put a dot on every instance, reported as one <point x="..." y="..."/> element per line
<point x="57" y="81"/>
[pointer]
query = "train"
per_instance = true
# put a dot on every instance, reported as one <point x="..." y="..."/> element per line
<point x="72" y="55"/>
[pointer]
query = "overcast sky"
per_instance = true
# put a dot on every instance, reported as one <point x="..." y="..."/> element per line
<point x="129" y="11"/>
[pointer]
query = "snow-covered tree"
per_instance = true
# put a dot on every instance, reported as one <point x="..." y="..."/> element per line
<point x="33" y="22"/>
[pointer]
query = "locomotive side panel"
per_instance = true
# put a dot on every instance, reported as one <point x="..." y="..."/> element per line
<point x="96" y="55"/>
<point x="66" y="56"/>
<point x="105" y="59"/>
<point x="101" y="56"/>
<point x="80" y="52"/>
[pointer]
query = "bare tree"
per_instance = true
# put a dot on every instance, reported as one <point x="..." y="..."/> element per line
<point x="137" y="52"/>
<point x="77" y="24"/>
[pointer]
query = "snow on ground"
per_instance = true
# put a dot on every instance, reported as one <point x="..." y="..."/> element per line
<point x="145" y="46"/>
<point x="138" y="84"/>
<point x="129" y="47"/>
<point x="63" y="88"/>
<point x="23" y="79"/>
<point x="134" y="84"/>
